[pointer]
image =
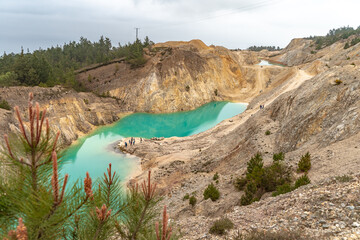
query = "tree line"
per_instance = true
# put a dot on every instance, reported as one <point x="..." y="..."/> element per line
<point x="56" y="65"/>
<point x="259" y="48"/>
<point x="335" y="35"/>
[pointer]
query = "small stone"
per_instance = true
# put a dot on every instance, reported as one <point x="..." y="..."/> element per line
<point x="321" y="221"/>
<point x="350" y="207"/>
<point x="343" y="205"/>
<point x="355" y="224"/>
<point x="325" y="226"/>
<point x="273" y="226"/>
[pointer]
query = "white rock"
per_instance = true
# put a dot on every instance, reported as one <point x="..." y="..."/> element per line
<point x="355" y="224"/>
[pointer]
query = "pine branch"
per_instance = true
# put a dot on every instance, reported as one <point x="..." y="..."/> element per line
<point x="10" y="152"/>
<point x="72" y="212"/>
<point x="148" y="192"/>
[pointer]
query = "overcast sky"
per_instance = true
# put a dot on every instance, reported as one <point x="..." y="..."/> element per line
<point x="230" y="23"/>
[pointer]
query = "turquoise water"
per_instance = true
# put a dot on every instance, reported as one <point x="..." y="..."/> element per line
<point x="264" y="63"/>
<point x="94" y="152"/>
<point x="267" y="63"/>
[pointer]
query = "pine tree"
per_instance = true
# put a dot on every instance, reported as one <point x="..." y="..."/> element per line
<point x="43" y="209"/>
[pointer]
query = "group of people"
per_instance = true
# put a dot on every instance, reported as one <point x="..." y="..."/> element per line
<point x="262" y="106"/>
<point x="131" y="141"/>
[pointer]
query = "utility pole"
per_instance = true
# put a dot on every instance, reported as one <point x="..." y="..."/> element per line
<point x="137" y="33"/>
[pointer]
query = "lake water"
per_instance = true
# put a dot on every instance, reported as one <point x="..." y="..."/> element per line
<point x="264" y="63"/>
<point x="94" y="152"/>
<point x="267" y="63"/>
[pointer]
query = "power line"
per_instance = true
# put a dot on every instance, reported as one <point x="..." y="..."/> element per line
<point x="230" y="12"/>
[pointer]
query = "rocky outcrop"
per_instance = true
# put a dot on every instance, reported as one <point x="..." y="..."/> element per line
<point x="178" y="76"/>
<point x="303" y="52"/>
<point x="320" y="111"/>
<point x="299" y="51"/>
<point x="74" y="114"/>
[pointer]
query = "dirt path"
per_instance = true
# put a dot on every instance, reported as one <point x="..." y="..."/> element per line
<point x="293" y="83"/>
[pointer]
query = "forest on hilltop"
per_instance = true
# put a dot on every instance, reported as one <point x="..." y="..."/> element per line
<point x="335" y="35"/>
<point x="57" y="65"/>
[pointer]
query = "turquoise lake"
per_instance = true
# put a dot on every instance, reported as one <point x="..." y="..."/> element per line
<point x="264" y="63"/>
<point x="267" y="63"/>
<point x="94" y="152"/>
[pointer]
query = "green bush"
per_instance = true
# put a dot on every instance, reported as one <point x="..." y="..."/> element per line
<point x="187" y="196"/>
<point x="338" y="82"/>
<point x="246" y="199"/>
<point x="4" y="105"/>
<point x="275" y="175"/>
<point x="220" y="226"/>
<point x="344" y="178"/>
<point x="211" y="192"/>
<point x="89" y="78"/>
<point x="136" y="62"/>
<point x="216" y="176"/>
<point x="304" y="164"/>
<point x="255" y="163"/>
<point x="250" y="191"/>
<point x="192" y="200"/>
<point x="8" y="79"/>
<point x="44" y="85"/>
<point x="240" y="183"/>
<point x="267" y="133"/>
<point x="278" y="156"/>
<point x="285" y="188"/>
<point x="301" y="181"/>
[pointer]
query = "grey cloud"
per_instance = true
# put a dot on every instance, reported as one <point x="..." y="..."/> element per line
<point x="232" y="23"/>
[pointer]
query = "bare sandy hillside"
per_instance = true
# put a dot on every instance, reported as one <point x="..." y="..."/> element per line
<point x="311" y="107"/>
